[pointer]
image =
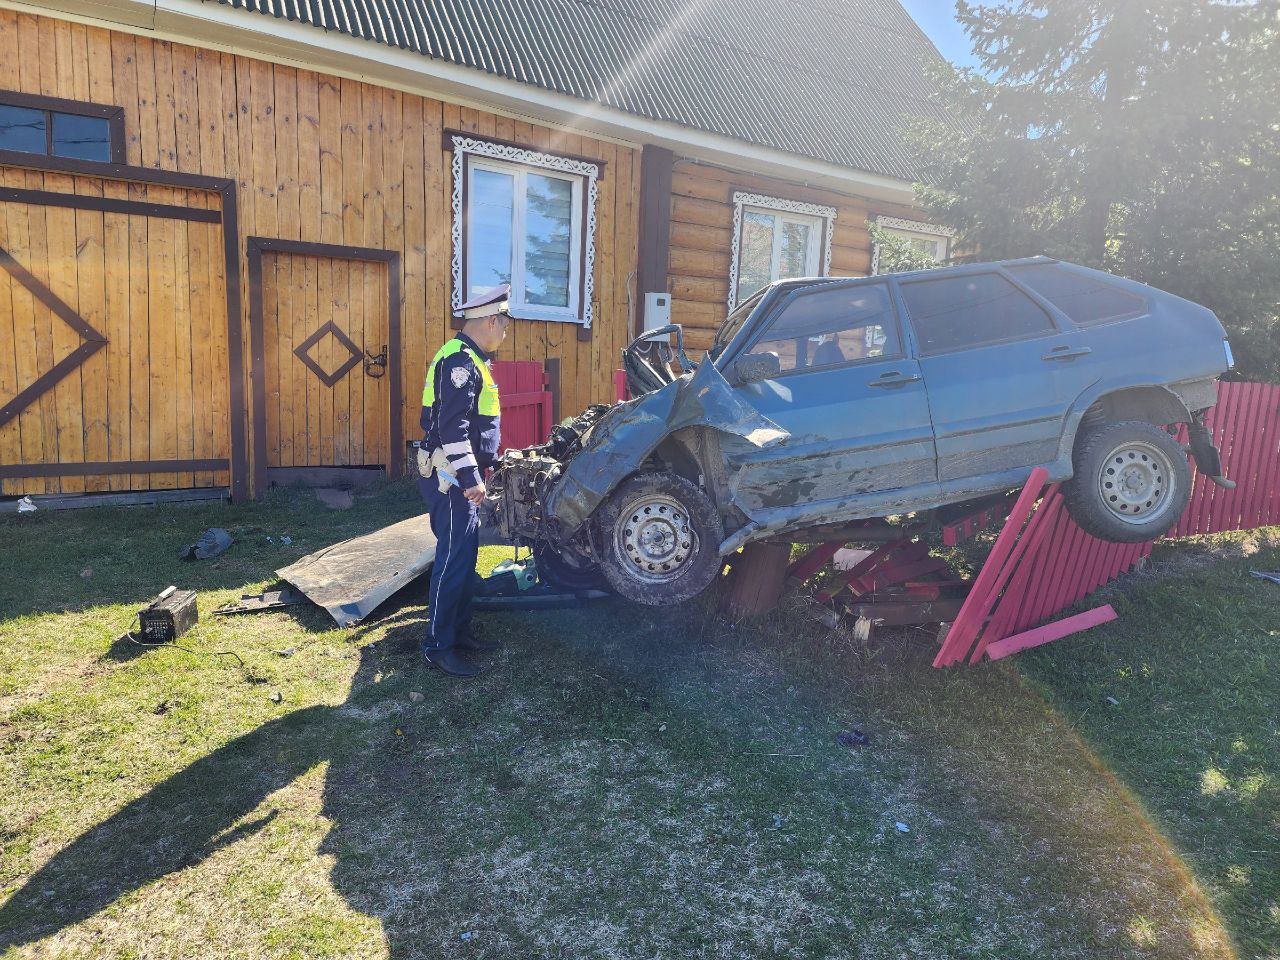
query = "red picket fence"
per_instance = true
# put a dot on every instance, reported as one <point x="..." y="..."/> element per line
<point x="526" y="402"/>
<point x="1042" y="563"/>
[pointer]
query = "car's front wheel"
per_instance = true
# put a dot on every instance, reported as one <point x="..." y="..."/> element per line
<point x="660" y="537"/>
<point x="1131" y="483"/>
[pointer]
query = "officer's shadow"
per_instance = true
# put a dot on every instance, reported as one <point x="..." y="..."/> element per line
<point x="201" y="809"/>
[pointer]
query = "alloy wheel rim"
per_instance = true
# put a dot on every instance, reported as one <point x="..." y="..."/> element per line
<point x="656" y="538"/>
<point x="1135" y="482"/>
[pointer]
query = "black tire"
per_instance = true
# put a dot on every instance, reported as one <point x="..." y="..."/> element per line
<point x="1131" y="482"/>
<point x="568" y="570"/>
<point x="660" y="539"/>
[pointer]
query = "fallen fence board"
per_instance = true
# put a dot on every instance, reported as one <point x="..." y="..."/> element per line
<point x="351" y="578"/>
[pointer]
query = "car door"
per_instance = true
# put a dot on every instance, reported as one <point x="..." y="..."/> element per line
<point x="851" y="398"/>
<point x="1000" y="374"/>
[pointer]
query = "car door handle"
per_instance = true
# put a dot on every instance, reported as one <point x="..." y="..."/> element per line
<point x="1064" y="352"/>
<point x="894" y="378"/>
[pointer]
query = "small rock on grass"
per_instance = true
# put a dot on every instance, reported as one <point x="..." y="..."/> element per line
<point x="277" y="696"/>
<point x="415" y="696"/>
<point x="336" y="499"/>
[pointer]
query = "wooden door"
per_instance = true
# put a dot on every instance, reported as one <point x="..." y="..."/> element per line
<point x="114" y="361"/>
<point x="328" y="322"/>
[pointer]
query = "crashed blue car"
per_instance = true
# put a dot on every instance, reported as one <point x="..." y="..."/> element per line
<point x="825" y="401"/>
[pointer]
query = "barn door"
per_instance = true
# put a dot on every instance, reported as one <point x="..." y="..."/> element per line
<point x="114" y="362"/>
<point x="326" y="318"/>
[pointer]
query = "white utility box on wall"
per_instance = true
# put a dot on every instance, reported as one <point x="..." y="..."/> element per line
<point x="657" y="310"/>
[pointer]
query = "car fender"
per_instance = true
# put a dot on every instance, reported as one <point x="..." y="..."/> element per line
<point x="1094" y="393"/>
<point x="621" y="442"/>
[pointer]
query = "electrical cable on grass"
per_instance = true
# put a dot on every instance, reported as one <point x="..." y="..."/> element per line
<point x="128" y="635"/>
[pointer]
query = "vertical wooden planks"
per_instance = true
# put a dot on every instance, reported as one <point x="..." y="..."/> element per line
<point x="414" y="319"/>
<point x="288" y="269"/>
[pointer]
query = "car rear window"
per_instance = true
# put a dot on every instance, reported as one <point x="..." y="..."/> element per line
<point x="953" y="313"/>
<point x="1085" y="300"/>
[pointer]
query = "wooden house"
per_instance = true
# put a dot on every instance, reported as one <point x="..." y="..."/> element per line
<point x="232" y="234"/>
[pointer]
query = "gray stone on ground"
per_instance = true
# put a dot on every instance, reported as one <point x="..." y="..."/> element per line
<point x="337" y="499"/>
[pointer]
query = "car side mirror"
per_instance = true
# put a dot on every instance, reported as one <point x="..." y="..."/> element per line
<point x="755" y="367"/>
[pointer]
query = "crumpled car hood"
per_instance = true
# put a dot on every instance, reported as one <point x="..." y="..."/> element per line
<point x="630" y="432"/>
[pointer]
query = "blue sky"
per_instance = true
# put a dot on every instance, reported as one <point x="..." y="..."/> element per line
<point x="937" y="20"/>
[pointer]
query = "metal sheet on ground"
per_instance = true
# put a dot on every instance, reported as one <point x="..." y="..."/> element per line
<point x="351" y="578"/>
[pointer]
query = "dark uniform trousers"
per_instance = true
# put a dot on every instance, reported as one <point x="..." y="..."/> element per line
<point x="456" y="525"/>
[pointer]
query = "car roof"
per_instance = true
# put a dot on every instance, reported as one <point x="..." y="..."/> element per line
<point x="932" y="272"/>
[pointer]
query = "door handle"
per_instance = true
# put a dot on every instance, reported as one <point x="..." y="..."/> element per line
<point x="375" y="366"/>
<point x="1064" y="352"/>
<point x="894" y="378"/>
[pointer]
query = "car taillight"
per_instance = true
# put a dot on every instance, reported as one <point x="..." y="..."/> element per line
<point x="1231" y="360"/>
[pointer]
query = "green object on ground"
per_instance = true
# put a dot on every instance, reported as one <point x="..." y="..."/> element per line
<point x="525" y="572"/>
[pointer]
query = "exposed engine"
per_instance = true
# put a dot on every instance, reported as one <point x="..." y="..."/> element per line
<point x="523" y="479"/>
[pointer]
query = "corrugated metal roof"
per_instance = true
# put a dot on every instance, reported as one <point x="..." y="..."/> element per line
<point x="828" y="79"/>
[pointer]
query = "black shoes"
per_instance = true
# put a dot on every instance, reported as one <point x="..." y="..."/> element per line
<point x="449" y="661"/>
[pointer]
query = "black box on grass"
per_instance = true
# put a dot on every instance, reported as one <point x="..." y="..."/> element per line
<point x="169" y="616"/>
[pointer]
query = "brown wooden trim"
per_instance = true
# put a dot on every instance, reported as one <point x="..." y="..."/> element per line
<point x="302" y="352"/>
<point x="336" y="251"/>
<point x="226" y="188"/>
<point x="113" y="171"/>
<point x="80" y="201"/>
<point x="93" y="340"/>
<point x="49" y="379"/>
<point x="395" y="455"/>
<point x="450" y="133"/>
<point x="656" y="167"/>
<point x="257" y="246"/>
<point x="239" y="414"/>
<point x="109" y="468"/>
<point x="49" y="298"/>
<point x="114" y="115"/>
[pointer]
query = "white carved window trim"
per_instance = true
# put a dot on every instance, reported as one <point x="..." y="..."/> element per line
<point x="590" y="172"/>
<point x="911" y="226"/>
<point x="775" y="205"/>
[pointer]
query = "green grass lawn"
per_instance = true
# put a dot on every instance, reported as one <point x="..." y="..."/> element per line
<point x="625" y="782"/>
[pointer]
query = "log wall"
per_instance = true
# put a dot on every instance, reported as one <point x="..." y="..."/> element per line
<point x="702" y="237"/>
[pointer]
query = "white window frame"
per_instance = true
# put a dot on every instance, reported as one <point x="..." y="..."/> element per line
<point x="470" y="154"/>
<point x="908" y="229"/>
<point x="793" y="210"/>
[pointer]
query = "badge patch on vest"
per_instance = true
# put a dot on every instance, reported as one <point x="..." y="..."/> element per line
<point x="460" y="377"/>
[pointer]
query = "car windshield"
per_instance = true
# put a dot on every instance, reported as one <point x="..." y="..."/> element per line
<point x="735" y="321"/>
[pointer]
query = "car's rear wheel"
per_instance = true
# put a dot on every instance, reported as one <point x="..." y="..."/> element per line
<point x="660" y="537"/>
<point x="1131" y="483"/>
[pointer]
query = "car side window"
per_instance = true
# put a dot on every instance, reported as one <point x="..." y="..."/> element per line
<point x="1085" y="300"/>
<point x="827" y="327"/>
<point x="958" y="312"/>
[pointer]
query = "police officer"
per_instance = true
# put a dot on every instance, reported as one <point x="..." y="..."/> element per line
<point x="460" y="426"/>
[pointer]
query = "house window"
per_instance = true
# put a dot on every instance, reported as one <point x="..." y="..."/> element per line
<point x="61" y="128"/>
<point x="928" y="238"/>
<point x="525" y="218"/>
<point x="774" y="239"/>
